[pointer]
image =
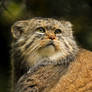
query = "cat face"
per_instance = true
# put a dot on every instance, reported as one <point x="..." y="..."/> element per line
<point x="38" y="38"/>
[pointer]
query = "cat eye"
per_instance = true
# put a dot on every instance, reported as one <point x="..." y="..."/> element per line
<point x="40" y="29"/>
<point x="58" y="31"/>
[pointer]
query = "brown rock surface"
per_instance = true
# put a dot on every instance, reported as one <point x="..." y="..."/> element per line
<point x="79" y="75"/>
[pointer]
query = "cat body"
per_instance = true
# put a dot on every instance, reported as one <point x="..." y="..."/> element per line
<point x="41" y="46"/>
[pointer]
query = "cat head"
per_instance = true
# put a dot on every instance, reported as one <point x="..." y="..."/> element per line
<point x="44" y="37"/>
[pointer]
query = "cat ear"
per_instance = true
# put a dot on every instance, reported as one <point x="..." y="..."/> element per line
<point x="67" y="24"/>
<point x="19" y="28"/>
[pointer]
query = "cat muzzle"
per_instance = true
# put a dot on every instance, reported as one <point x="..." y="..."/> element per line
<point x="50" y="43"/>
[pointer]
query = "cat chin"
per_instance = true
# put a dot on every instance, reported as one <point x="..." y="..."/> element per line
<point x="47" y="51"/>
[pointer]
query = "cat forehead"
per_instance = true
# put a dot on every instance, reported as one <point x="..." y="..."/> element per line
<point x="45" y="22"/>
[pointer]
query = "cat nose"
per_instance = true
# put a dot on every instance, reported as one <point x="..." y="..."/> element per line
<point x="51" y="36"/>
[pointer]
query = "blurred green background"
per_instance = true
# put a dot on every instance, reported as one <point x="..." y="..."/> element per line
<point x="79" y="12"/>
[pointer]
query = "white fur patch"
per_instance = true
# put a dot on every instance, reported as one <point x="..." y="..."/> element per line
<point x="47" y="51"/>
<point x="57" y="56"/>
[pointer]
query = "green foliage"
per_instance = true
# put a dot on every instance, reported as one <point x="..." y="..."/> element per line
<point x="14" y="11"/>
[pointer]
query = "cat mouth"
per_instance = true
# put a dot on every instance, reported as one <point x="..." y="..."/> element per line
<point x="51" y="43"/>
